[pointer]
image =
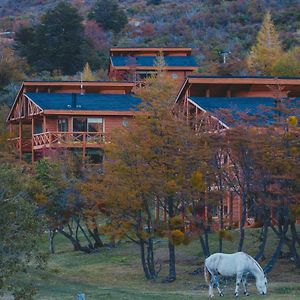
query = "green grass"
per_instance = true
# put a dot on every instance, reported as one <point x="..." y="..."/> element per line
<point x="116" y="274"/>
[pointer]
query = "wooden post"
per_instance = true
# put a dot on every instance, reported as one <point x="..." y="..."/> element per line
<point x="10" y="129"/>
<point x="228" y="93"/>
<point x="207" y="92"/>
<point x="20" y="140"/>
<point x="84" y="148"/>
<point x="32" y="143"/>
<point x="44" y="124"/>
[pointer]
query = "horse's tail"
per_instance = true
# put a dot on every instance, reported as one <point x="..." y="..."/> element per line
<point x="207" y="274"/>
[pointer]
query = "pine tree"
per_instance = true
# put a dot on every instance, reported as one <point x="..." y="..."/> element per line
<point x="87" y="74"/>
<point x="56" y="43"/>
<point x="108" y="15"/>
<point x="267" y="50"/>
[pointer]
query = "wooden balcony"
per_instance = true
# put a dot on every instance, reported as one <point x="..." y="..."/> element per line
<point x="68" y="140"/>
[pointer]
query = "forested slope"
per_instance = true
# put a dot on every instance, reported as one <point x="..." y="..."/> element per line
<point x="208" y="25"/>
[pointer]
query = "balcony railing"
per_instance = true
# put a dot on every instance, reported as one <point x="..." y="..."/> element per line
<point x="15" y="143"/>
<point x="68" y="139"/>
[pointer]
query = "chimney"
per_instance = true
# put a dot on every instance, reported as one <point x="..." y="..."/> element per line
<point x="74" y="100"/>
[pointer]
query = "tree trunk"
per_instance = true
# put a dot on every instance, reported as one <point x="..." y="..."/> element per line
<point x="277" y="251"/>
<point x="51" y="241"/>
<point x="75" y="242"/>
<point x="204" y="250"/>
<point x="264" y="235"/>
<point x="242" y="224"/>
<point x="221" y="214"/>
<point x="143" y="260"/>
<point x="96" y="237"/>
<point x="171" y="247"/>
<point x="172" y="261"/>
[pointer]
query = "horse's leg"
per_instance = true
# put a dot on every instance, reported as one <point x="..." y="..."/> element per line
<point x="238" y="282"/>
<point x="211" y="288"/>
<point x="244" y="280"/>
<point x="218" y="286"/>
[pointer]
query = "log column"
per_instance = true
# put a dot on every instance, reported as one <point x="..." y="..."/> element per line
<point x="32" y="143"/>
<point x="20" y="140"/>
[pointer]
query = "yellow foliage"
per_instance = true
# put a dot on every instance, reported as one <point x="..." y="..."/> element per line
<point x="226" y="235"/>
<point x="295" y="211"/>
<point x="267" y="50"/>
<point x="87" y="74"/>
<point x="292" y="120"/>
<point x="176" y="222"/>
<point x="171" y="186"/>
<point x="177" y="237"/>
<point x="197" y="181"/>
<point x="41" y="199"/>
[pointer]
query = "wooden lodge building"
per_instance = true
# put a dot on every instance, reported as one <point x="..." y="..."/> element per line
<point x="135" y="64"/>
<point x="78" y="116"/>
<point x="200" y="95"/>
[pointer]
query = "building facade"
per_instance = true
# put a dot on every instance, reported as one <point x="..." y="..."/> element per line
<point x="135" y="64"/>
<point x="77" y="116"/>
<point x="202" y="96"/>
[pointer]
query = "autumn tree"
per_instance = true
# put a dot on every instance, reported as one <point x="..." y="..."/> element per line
<point x="267" y="49"/>
<point x="63" y="205"/>
<point x="11" y="67"/>
<point x="288" y="65"/>
<point x="87" y="74"/>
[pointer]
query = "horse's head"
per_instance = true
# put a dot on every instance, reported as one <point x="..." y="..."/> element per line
<point x="261" y="285"/>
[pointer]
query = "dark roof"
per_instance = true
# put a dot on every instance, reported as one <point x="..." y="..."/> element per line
<point x="263" y="77"/>
<point x="101" y="102"/>
<point x="259" y="110"/>
<point x="149" y="61"/>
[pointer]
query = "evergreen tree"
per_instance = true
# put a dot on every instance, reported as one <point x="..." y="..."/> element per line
<point x="108" y="15"/>
<point x="57" y="43"/>
<point x="267" y="50"/>
<point x="154" y="2"/>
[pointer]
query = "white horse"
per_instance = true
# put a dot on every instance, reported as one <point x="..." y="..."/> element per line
<point x="239" y="264"/>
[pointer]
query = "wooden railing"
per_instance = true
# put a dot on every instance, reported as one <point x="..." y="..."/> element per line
<point x="68" y="139"/>
<point x="16" y="143"/>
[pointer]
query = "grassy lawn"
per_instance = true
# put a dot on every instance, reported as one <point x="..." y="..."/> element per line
<point x="116" y="274"/>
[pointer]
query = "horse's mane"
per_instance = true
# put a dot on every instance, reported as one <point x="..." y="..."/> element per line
<point x="257" y="264"/>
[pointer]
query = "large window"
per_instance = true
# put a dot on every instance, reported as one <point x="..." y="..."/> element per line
<point x="95" y="124"/>
<point x="63" y="125"/>
<point x="79" y="124"/>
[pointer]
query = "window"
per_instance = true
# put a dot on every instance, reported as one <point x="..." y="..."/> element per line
<point x="95" y="124"/>
<point x="63" y="125"/>
<point x="79" y="124"/>
<point x="38" y="127"/>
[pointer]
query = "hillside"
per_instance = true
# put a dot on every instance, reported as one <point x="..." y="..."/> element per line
<point x="208" y="26"/>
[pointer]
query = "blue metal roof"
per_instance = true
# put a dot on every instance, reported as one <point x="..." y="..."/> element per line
<point x="101" y="102"/>
<point x="149" y="61"/>
<point x="263" y="109"/>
